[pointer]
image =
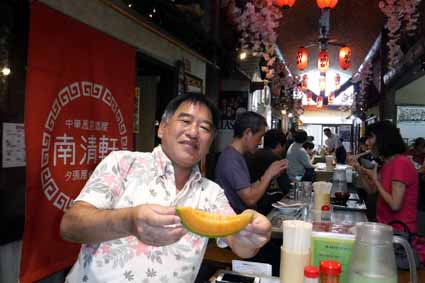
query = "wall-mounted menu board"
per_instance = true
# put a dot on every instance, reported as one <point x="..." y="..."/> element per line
<point x="411" y="121"/>
<point x="410" y="114"/>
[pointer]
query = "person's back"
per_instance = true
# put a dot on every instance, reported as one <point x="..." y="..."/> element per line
<point x="298" y="159"/>
<point x="257" y="165"/>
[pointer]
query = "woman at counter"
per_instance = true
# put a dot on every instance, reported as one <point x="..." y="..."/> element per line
<point x="397" y="180"/>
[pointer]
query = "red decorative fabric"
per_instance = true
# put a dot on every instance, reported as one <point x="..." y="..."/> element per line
<point x="78" y="108"/>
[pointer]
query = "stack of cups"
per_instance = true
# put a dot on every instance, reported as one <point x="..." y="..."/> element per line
<point x="295" y="250"/>
<point x="329" y="162"/>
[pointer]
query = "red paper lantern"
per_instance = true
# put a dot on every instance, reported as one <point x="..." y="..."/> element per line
<point x="323" y="61"/>
<point x="331" y="98"/>
<point x="302" y="58"/>
<point x="322" y="83"/>
<point x="326" y="4"/>
<point x="345" y="57"/>
<point x="337" y="81"/>
<point x="319" y="102"/>
<point x="309" y="97"/>
<point x="284" y="4"/>
<point x="304" y="83"/>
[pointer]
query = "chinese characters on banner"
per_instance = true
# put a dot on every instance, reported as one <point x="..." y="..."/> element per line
<point x="79" y="108"/>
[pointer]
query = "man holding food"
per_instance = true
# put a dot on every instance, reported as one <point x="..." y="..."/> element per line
<point x="126" y="218"/>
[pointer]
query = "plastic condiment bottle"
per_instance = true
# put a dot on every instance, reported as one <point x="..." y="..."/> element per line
<point x="326" y="213"/>
<point x="311" y="274"/>
<point x="330" y="271"/>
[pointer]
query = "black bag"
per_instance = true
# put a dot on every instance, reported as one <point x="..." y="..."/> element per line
<point x="400" y="254"/>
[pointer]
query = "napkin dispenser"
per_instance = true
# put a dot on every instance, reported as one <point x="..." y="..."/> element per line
<point x="332" y="246"/>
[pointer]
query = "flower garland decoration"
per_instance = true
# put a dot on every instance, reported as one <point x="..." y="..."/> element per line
<point x="364" y="77"/>
<point x="398" y="12"/>
<point x="411" y="15"/>
<point x="392" y="10"/>
<point x="257" y="24"/>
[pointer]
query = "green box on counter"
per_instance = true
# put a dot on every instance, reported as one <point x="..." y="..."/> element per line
<point x="332" y="246"/>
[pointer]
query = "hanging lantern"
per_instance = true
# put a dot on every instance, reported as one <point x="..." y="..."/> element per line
<point x="345" y="57"/>
<point x="304" y="83"/>
<point x="309" y="97"/>
<point x="319" y="102"/>
<point x="302" y="58"/>
<point x="326" y="4"/>
<point x="284" y="4"/>
<point x="331" y="98"/>
<point x="322" y="83"/>
<point x="323" y="61"/>
<point x="337" y="81"/>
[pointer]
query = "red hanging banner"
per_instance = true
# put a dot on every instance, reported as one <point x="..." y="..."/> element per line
<point x="78" y="108"/>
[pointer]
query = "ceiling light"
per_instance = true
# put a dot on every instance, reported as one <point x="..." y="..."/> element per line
<point x="283" y="112"/>
<point x="243" y="55"/>
<point x="129" y="5"/>
<point x="290" y="115"/>
<point x="6" y="71"/>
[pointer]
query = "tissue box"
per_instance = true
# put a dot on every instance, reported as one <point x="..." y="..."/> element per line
<point x="332" y="246"/>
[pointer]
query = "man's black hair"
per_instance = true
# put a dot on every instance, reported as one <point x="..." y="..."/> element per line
<point x="308" y="145"/>
<point x="419" y="142"/>
<point x="300" y="136"/>
<point x="193" y="98"/>
<point x="248" y="120"/>
<point x="273" y="138"/>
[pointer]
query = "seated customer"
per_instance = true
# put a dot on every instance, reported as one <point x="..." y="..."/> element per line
<point x="417" y="151"/>
<point x="397" y="180"/>
<point x="232" y="172"/>
<point x="298" y="159"/>
<point x="309" y="147"/>
<point x="274" y="147"/>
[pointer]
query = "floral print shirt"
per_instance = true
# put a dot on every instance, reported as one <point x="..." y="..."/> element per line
<point x="127" y="179"/>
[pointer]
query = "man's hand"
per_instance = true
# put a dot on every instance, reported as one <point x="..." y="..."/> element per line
<point x="352" y="161"/>
<point x="255" y="235"/>
<point x="275" y="169"/>
<point x="156" y="225"/>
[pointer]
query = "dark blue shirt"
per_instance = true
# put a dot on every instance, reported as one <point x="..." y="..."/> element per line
<point x="232" y="174"/>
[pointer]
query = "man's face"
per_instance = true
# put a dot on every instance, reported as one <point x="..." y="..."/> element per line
<point x="328" y="133"/>
<point x="187" y="135"/>
<point x="252" y="141"/>
<point x="279" y="150"/>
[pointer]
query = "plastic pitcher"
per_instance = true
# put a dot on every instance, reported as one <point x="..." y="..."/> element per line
<point x="373" y="258"/>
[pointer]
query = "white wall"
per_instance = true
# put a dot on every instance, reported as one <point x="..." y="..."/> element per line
<point x="324" y="116"/>
<point x="412" y="94"/>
